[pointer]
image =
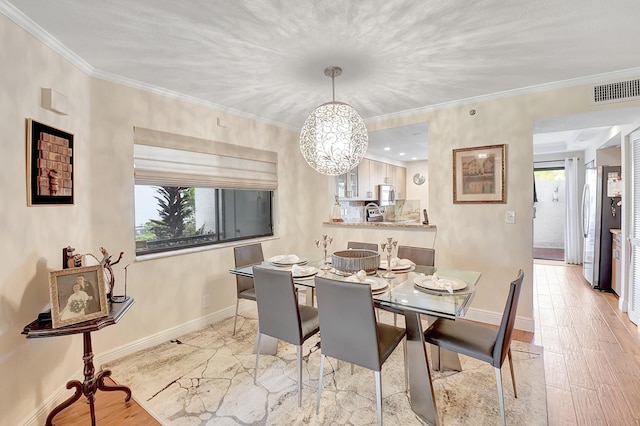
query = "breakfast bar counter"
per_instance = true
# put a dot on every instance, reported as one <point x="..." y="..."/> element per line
<point x="391" y="224"/>
<point x="406" y="233"/>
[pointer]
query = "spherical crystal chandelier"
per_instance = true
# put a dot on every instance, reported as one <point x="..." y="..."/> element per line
<point x="333" y="139"/>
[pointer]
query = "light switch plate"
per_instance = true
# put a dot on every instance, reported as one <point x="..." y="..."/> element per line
<point x="511" y="217"/>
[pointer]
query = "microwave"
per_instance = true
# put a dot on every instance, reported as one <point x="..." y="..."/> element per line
<point x="386" y="195"/>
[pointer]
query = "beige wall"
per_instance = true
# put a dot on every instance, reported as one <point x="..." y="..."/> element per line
<point x="169" y="290"/>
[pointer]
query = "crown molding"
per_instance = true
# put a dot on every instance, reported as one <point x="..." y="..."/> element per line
<point x="30" y="26"/>
<point x="38" y="32"/>
<point x="592" y="79"/>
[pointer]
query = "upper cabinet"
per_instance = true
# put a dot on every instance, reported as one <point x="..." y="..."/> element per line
<point x="361" y="183"/>
<point x="365" y="189"/>
<point x="347" y="184"/>
<point x="398" y="178"/>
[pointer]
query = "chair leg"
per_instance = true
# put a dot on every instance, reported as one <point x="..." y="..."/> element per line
<point x="406" y="373"/>
<point x="352" y="369"/>
<point x="513" y="376"/>
<point x="236" y="317"/>
<point x="379" y="396"/>
<point x="255" y="371"/>
<point x="500" y="394"/>
<point x="300" y="376"/>
<point x="395" y="319"/>
<point x="320" y="382"/>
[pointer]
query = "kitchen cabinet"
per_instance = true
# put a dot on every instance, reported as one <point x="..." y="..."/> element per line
<point x="347" y="184"/>
<point x="398" y="178"/>
<point x="378" y="173"/>
<point x="364" y="179"/>
<point x="365" y="187"/>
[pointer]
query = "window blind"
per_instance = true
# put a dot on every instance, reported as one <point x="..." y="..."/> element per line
<point x="161" y="158"/>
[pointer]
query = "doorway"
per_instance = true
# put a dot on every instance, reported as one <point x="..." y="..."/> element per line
<point x="549" y="217"/>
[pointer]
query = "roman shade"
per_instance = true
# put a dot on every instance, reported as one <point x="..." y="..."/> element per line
<point x="168" y="159"/>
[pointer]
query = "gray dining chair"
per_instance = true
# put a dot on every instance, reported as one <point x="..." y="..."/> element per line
<point x="349" y="331"/>
<point x="280" y="315"/>
<point x="362" y="246"/>
<point x="482" y="342"/>
<point x="419" y="255"/>
<point x="245" y="255"/>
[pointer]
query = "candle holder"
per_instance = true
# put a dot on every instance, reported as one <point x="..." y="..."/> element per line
<point x="325" y="241"/>
<point x="388" y="246"/>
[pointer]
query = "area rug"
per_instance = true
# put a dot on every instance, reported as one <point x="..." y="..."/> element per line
<point x="206" y="378"/>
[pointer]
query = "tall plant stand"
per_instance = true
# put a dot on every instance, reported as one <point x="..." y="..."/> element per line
<point x="92" y="382"/>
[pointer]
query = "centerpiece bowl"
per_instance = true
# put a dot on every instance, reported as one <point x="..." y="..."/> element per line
<point x="348" y="262"/>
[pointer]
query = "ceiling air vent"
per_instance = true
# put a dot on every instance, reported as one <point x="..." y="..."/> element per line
<point x="620" y="91"/>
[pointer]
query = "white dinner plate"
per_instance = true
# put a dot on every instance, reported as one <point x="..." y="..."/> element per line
<point x="440" y="284"/>
<point x="287" y="260"/>
<point x="403" y="267"/>
<point x="377" y="284"/>
<point x="306" y="272"/>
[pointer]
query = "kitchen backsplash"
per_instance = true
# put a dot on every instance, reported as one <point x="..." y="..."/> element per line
<point x="353" y="211"/>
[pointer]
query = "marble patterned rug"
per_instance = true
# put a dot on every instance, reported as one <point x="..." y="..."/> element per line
<point x="206" y="378"/>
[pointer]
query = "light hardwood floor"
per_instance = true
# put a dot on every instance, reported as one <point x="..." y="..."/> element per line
<point x="591" y="350"/>
<point x="591" y="355"/>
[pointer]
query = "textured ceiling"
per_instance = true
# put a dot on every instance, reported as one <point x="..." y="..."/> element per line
<point x="266" y="58"/>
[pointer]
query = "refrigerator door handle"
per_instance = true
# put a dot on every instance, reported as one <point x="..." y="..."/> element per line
<point x="585" y="210"/>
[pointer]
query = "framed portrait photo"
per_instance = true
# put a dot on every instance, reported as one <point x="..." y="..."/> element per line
<point x="77" y="295"/>
<point x="49" y="165"/>
<point x="479" y="174"/>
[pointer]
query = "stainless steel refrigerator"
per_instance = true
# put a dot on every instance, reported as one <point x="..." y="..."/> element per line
<point x="600" y="213"/>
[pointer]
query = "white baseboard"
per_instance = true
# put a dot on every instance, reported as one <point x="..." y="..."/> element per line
<point x="494" y="318"/>
<point x="39" y="415"/>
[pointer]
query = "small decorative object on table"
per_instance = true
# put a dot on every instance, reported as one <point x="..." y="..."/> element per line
<point x="426" y="217"/>
<point x="325" y="241"/>
<point x="336" y="214"/>
<point x="389" y="245"/>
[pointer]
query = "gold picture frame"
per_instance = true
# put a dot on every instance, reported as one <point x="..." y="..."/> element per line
<point x="479" y="174"/>
<point x="77" y="295"/>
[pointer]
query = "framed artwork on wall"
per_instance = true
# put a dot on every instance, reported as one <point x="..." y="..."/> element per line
<point x="479" y="174"/>
<point x="77" y="295"/>
<point x="50" y="163"/>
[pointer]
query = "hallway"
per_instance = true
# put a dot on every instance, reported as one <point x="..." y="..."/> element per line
<point x="591" y="350"/>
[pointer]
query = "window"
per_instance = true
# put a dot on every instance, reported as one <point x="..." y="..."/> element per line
<point x="192" y="192"/>
<point x="172" y="218"/>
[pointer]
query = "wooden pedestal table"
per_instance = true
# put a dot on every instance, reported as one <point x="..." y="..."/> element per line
<point x="92" y="383"/>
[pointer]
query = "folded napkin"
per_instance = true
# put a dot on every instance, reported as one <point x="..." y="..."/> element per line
<point x="286" y="258"/>
<point x="358" y="277"/>
<point x="300" y="271"/>
<point x="396" y="262"/>
<point x="441" y="284"/>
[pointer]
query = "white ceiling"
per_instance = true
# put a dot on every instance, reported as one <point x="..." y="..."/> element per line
<point x="266" y="59"/>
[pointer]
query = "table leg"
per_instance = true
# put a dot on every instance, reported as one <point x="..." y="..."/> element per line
<point x="76" y="396"/>
<point x="444" y="359"/>
<point x="423" y="400"/>
<point x="89" y="387"/>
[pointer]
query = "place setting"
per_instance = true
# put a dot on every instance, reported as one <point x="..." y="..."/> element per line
<point x="287" y="260"/>
<point x="378" y="285"/>
<point x="440" y="285"/>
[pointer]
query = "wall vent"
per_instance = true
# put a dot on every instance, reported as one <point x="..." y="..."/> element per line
<point x="619" y="91"/>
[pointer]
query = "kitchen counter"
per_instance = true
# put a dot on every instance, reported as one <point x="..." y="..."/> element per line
<point x="392" y="224"/>
<point x="407" y="233"/>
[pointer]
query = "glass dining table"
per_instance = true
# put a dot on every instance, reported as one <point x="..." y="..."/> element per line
<point x="407" y="294"/>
